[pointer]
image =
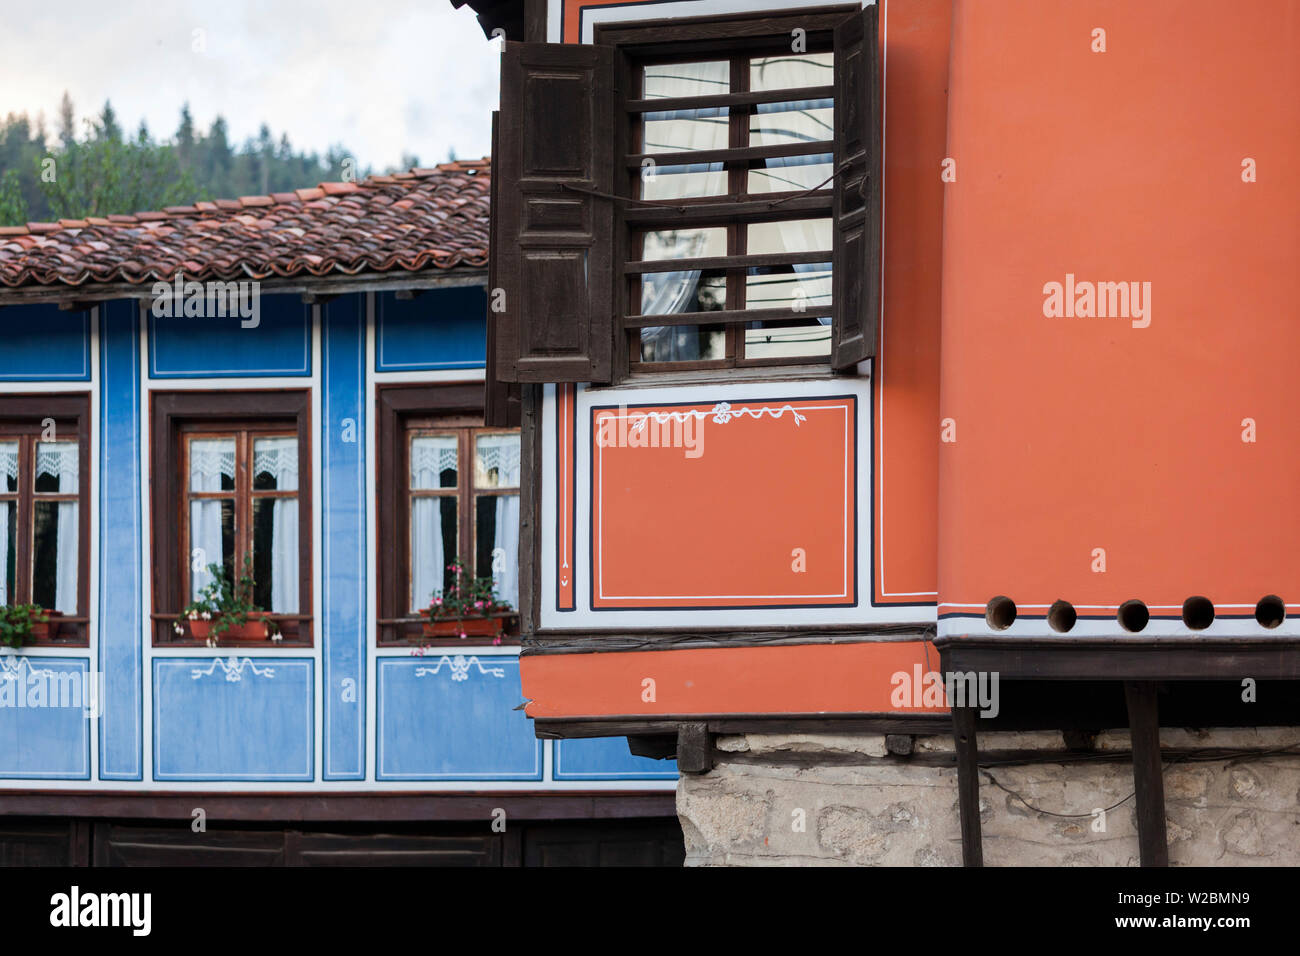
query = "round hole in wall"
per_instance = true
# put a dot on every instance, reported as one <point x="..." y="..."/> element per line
<point x="1000" y="613"/>
<point x="1270" y="611"/>
<point x="1198" y="613"/>
<point x="1061" y="616"/>
<point x="1133" y="616"/>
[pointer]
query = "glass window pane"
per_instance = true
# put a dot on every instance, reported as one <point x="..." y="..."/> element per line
<point x="801" y="288"/>
<point x="683" y="182"/>
<point x="275" y="554"/>
<point x="675" y="131"/>
<point x="212" y="464"/>
<point x="56" y="467"/>
<point x="9" y="465"/>
<point x="810" y="337"/>
<point x="791" y="235"/>
<point x="434" y="528"/>
<point x="212" y="539"/>
<point x="661" y="244"/>
<point x="496" y="545"/>
<point x="8" y="550"/>
<point x="665" y="80"/>
<point x="496" y="461"/>
<point x="781" y="124"/>
<point x="792" y="71"/>
<point x="54" y="555"/>
<point x="667" y="293"/>
<point x="434" y="461"/>
<point x="684" y="343"/>
<point x="787" y="173"/>
<point x="275" y="464"/>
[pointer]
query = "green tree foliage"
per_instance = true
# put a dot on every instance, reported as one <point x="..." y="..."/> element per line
<point x="100" y="170"/>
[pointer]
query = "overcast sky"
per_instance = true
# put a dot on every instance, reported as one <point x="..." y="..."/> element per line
<point x="381" y="77"/>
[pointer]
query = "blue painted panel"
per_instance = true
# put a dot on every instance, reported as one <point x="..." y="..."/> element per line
<point x="607" y="758"/>
<point x="451" y="718"/>
<point x="235" y="718"/>
<point x="121" y="727"/>
<point x="44" y="718"/>
<point x="442" y="328"/>
<point x="43" y="344"/>
<point x="192" y="347"/>
<point x="343" y="482"/>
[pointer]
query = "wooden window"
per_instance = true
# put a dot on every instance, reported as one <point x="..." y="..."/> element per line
<point x="231" y="480"/>
<point x="740" y="205"/>
<point x="44" y="513"/>
<point x="449" y="488"/>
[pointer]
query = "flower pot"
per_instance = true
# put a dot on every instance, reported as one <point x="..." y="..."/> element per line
<point x="469" y="626"/>
<point x="254" y="629"/>
<point x="41" y="630"/>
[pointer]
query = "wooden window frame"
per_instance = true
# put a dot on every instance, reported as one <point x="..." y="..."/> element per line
<point x="177" y="417"/>
<point x="24" y="417"/>
<point x="737" y="40"/>
<point x="431" y="409"/>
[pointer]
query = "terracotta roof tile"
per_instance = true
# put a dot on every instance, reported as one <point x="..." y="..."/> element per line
<point x="424" y="219"/>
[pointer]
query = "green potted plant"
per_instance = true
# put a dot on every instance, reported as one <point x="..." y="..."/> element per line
<point x="20" y="623"/>
<point x="470" y="606"/>
<point x="224" y="610"/>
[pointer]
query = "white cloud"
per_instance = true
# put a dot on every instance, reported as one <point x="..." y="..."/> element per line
<point x="381" y="77"/>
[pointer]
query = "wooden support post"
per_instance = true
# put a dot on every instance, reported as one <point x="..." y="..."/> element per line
<point x="1148" y="775"/>
<point x="694" y="748"/>
<point x="968" y="784"/>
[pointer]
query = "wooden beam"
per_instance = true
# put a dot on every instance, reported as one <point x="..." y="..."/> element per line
<point x="1148" y="772"/>
<point x="694" y="748"/>
<point x="968" y="784"/>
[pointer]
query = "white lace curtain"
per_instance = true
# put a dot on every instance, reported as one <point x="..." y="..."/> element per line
<point x="431" y="456"/>
<point x="61" y="460"/>
<point x="8" y="474"/>
<point x="211" y="460"/>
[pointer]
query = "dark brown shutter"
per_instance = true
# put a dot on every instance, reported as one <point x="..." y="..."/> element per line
<point x="501" y="407"/>
<point x="857" y="191"/>
<point x="554" y="255"/>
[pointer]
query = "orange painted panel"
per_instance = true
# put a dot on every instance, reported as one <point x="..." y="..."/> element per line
<point x="859" y="678"/>
<point x="720" y="505"/>
<point x="1108" y="450"/>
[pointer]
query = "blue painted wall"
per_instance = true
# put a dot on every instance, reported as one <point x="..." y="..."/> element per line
<point x="295" y="718"/>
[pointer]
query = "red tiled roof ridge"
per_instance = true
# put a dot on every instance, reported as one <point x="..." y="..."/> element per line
<point x="428" y="217"/>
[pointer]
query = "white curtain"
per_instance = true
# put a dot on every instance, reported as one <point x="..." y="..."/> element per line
<point x="60" y="460"/>
<point x="210" y="459"/>
<point x="278" y="457"/>
<point x="8" y="474"/>
<point x="506" y="581"/>
<point x="430" y="457"/>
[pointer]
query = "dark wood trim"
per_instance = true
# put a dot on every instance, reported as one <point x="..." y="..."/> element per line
<point x="749" y="98"/>
<point x="171" y="416"/>
<point x="694" y="748"/>
<point x="720" y="317"/>
<point x="625" y="725"/>
<point x="710" y="210"/>
<point x="966" y="743"/>
<point x="1148" y="772"/>
<point x="1124" y="658"/>
<point x="530" y="509"/>
<point x="745" y="154"/>
<point x="718" y="263"/>
<point x="720" y="33"/>
<point x="280" y="807"/>
<point x="676" y="639"/>
<point x="534" y="21"/>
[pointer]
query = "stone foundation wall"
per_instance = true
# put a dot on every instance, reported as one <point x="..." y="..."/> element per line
<point x="776" y="800"/>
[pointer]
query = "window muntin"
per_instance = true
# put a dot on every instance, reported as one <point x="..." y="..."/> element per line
<point x="241" y="500"/>
<point x="462" y="489"/>
<point x="778" y="114"/>
<point x="44" y="484"/>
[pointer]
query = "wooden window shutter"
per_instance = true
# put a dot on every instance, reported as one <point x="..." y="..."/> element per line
<point x="856" y="291"/>
<point x="501" y="400"/>
<point x="553" y="260"/>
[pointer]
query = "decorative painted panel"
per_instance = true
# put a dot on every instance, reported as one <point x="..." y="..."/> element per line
<point x="451" y="717"/>
<point x="42" y="343"/>
<point x="233" y="718"/>
<point x="230" y="347"/>
<point x="45" y="705"/>
<point x="607" y="758"/>
<point x="121" y="728"/>
<point x="438" y="329"/>
<point x="343" y="577"/>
